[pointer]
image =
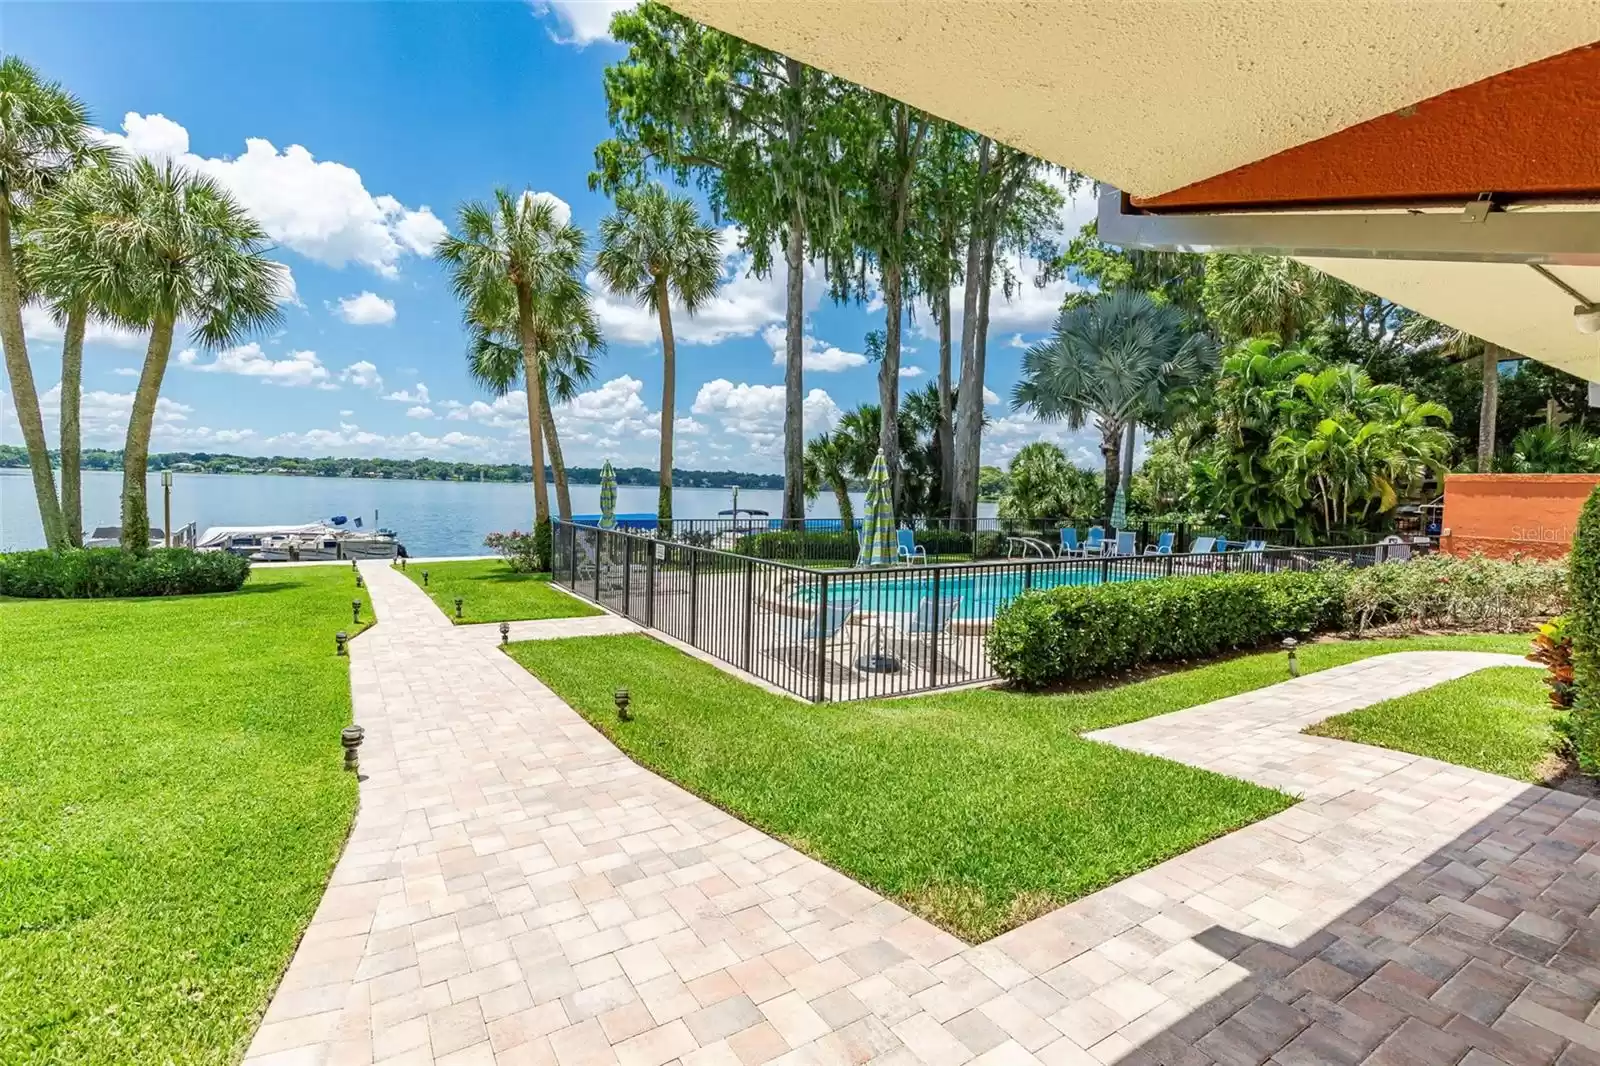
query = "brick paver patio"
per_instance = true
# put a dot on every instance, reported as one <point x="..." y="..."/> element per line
<point x="517" y="891"/>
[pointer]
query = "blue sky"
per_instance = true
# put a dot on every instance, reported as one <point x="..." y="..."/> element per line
<point x="352" y="131"/>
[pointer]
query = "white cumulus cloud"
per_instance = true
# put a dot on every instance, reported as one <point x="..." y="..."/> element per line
<point x="319" y="208"/>
<point x="417" y="395"/>
<point x="363" y="375"/>
<point x="419" y="412"/>
<point x="911" y="371"/>
<point x="366" y="309"/>
<point x="816" y="355"/>
<point x="580" y="22"/>
<point x="297" y="369"/>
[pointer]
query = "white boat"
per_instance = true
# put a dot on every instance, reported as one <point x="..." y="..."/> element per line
<point x="311" y="542"/>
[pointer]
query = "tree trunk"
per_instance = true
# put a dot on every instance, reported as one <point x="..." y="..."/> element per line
<point x="969" y="394"/>
<point x="1111" y="455"/>
<point x="1128" y="436"/>
<point x="794" y="414"/>
<point x="71" y="436"/>
<point x="669" y="373"/>
<point x="530" y="379"/>
<point x="1489" y="408"/>
<point x="889" y="381"/>
<point x="943" y="431"/>
<point x="552" y="441"/>
<point x="24" y="396"/>
<point x="136" y="452"/>
<point x="847" y="510"/>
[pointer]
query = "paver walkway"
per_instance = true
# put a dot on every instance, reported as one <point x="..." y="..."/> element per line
<point x="517" y="891"/>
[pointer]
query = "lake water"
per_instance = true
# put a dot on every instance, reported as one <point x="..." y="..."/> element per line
<point x="432" y="517"/>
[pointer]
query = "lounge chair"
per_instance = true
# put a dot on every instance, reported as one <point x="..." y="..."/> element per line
<point x="1203" y="546"/>
<point x="1069" y="541"/>
<point x="1162" y="546"/>
<point x="1254" y="546"/>
<point x="927" y="627"/>
<point x="907" y="550"/>
<point x="1127" y="543"/>
<point x="1221" y="545"/>
<point x="1096" y="544"/>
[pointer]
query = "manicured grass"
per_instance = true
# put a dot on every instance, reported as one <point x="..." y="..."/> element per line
<point x="491" y="591"/>
<point x="172" y="801"/>
<point x="1499" y="720"/>
<point x="977" y="809"/>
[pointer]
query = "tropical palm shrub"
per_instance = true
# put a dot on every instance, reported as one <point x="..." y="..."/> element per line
<point x="523" y="552"/>
<point x="1044" y="485"/>
<point x="1548" y="449"/>
<point x="1444" y="592"/>
<point x="99" y="573"/>
<point x="1081" y="631"/>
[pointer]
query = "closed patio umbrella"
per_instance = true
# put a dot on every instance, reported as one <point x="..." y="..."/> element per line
<point x="608" y="496"/>
<point x="877" y="527"/>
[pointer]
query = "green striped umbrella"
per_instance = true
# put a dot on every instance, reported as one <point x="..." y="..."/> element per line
<point x="1119" y="507"/>
<point x="877" y="527"/>
<point x="608" y="496"/>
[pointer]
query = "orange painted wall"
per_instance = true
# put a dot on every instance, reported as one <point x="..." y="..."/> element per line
<point x="1502" y="515"/>
<point x="1529" y="132"/>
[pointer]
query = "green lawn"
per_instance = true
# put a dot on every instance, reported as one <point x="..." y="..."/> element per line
<point x="172" y="801"/>
<point x="491" y="591"/>
<point x="978" y="809"/>
<point x="1499" y="720"/>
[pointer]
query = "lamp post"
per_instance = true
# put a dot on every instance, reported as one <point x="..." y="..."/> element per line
<point x="359" y="582"/>
<point x="1289" y="645"/>
<point x="166" y="507"/>
<point x="355" y="611"/>
<point x="339" y="640"/>
<point x="505" y="632"/>
<point x="458" y="607"/>
<point x="623" y="697"/>
<point x="424" y="579"/>
<point x="350" y="736"/>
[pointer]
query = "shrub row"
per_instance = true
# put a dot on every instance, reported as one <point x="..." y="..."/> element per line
<point x="1443" y="592"/>
<point x="527" y="553"/>
<point x="1080" y="631"/>
<point x="1583" y="625"/>
<point x="98" y="573"/>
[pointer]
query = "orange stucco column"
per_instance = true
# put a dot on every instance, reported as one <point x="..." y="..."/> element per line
<point x="1502" y="515"/>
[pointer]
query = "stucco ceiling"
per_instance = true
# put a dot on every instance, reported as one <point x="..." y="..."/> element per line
<point x="1151" y="95"/>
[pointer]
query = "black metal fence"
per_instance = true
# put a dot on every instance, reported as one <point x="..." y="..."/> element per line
<point x="844" y="633"/>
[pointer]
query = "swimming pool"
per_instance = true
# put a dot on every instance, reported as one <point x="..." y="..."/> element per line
<point x="983" y="591"/>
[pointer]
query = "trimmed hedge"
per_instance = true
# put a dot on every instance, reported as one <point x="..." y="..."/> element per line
<point x="794" y="544"/>
<point x="1082" y="631"/>
<point x="1583" y="622"/>
<point x="1435" y="591"/>
<point x="101" y="573"/>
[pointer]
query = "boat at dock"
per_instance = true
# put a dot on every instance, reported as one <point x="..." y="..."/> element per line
<point x="308" y="542"/>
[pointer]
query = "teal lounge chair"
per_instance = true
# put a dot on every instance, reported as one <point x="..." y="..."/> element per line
<point x="1127" y="543"/>
<point x="1162" y="546"/>
<point x="907" y="550"/>
<point x="1069" y="541"/>
<point x="1222" y="544"/>
<point x="930" y="625"/>
<point x="1203" y="546"/>
<point x="1096" y="544"/>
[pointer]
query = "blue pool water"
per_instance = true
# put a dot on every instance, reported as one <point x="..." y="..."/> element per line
<point x="982" y="592"/>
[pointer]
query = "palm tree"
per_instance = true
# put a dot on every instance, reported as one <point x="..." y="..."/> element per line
<point x="655" y="248"/>
<point x="508" y="262"/>
<point x="1458" y="346"/>
<point x="569" y="339"/>
<point x="60" y="233"/>
<point x="827" y="462"/>
<point x="1119" y="359"/>
<point x="1251" y="295"/>
<point x="44" y="137"/>
<point x="170" y="246"/>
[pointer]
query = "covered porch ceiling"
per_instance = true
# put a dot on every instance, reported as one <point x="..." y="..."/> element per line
<point x="1293" y="113"/>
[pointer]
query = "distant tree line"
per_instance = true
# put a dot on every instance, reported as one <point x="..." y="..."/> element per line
<point x="12" y="457"/>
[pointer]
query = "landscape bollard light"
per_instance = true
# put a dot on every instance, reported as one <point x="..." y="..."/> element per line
<point x="353" y="569"/>
<point x="358" y="582"/>
<point x="402" y="562"/>
<point x="623" y="698"/>
<point x="339" y="639"/>
<point x="1289" y="645"/>
<point x="355" y="611"/>
<point x="424" y="579"/>
<point x="458" y="606"/>
<point x="505" y="632"/>
<point x="350" y="736"/>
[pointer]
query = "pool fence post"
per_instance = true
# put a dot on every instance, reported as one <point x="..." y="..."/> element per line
<point x="933" y="634"/>
<point x="1105" y="568"/>
<point x="650" y="585"/>
<point x="750" y="607"/>
<point x="1027" y="576"/>
<point x="627" y="574"/>
<point x="694" y="595"/>
<point x="822" y="635"/>
<point x="572" y="557"/>
<point x="599" y="556"/>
